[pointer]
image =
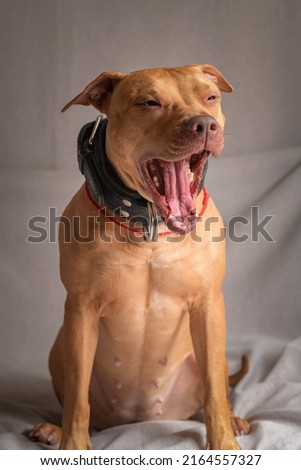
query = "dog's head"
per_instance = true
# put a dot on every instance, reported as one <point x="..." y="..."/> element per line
<point x="163" y="124"/>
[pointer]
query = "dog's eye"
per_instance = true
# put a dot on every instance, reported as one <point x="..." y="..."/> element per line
<point x="211" y="98"/>
<point x="148" y="103"/>
<point x="151" y="103"/>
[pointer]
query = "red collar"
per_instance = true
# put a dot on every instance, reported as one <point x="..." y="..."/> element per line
<point x="102" y="212"/>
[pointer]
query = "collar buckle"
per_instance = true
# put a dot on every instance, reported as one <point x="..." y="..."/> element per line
<point x="95" y="127"/>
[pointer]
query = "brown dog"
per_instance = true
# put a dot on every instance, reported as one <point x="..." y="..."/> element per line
<point x="144" y="328"/>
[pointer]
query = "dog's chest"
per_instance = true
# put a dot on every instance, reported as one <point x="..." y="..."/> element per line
<point x="148" y="278"/>
<point x="144" y="300"/>
<point x="144" y="335"/>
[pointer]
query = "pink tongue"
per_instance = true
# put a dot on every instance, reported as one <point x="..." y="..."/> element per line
<point x="177" y="189"/>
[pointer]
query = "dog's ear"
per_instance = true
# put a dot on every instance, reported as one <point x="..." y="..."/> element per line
<point x="214" y="74"/>
<point x="97" y="92"/>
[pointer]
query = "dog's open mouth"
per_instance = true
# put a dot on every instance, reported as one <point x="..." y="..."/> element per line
<point x="173" y="186"/>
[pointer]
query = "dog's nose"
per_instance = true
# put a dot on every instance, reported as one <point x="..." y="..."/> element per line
<point x="203" y="125"/>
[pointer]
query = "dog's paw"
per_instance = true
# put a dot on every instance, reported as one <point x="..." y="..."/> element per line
<point x="240" y="426"/>
<point x="45" y="432"/>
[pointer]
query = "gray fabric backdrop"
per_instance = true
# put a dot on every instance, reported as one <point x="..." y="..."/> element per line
<point x="49" y="50"/>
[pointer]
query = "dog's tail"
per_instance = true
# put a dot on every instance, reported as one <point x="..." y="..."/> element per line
<point x="235" y="378"/>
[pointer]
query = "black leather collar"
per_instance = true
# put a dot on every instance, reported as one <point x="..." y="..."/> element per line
<point x="106" y="187"/>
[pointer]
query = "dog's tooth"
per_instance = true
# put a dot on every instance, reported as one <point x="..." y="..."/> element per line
<point x="189" y="172"/>
<point x="152" y="168"/>
<point x="156" y="181"/>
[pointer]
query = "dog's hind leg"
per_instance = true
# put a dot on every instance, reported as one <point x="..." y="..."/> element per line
<point x="44" y="432"/>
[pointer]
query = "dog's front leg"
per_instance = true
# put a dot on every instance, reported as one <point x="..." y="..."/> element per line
<point x="80" y="340"/>
<point x="208" y="332"/>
